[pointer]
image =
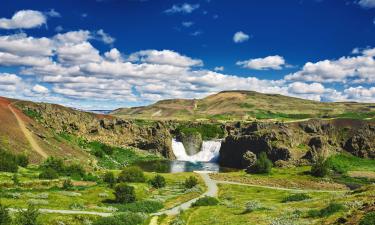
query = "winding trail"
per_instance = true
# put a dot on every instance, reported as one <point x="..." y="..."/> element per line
<point x="211" y="191"/>
<point x="34" y="145"/>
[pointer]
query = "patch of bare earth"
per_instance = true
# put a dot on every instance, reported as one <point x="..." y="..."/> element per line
<point x="362" y="174"/>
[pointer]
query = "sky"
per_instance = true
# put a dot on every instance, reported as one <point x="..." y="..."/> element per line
<point x="106" y="54"/>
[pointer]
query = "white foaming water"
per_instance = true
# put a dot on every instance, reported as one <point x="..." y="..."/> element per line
<point x="209" y="151"/>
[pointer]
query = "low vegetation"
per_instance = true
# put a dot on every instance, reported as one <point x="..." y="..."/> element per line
<point x="368" y="219"/>
<point x="296" y="197"/>
<point x="207" y="131"/>
<point x="327" y="211"/>
<point x="262" y="166"/>
<point x="206" y="201"/>
<point x="9" y="162"/>
<point x="131" y="174"/>
<point x="190" y="182"/>
<point x="158" y="181"/>
<point x="146" y="206"/>
<point x="127" y="218"/>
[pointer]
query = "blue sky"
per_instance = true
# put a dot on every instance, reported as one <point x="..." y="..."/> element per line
<point x="106" y="54"/>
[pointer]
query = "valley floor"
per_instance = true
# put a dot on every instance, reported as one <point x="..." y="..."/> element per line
<point x="243" y="198"/>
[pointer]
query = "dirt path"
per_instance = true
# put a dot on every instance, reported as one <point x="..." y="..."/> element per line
<point x="34" y="145"/>
<point x="211" y="191"/>
<point x="70" y="212"/>
<point x="154" y="220"/>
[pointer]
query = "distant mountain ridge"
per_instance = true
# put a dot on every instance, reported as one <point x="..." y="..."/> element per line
<point x="247" y="105"/>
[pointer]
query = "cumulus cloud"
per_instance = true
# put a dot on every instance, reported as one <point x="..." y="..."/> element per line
<point x="240" y="37"/>
<point x="184" y="8"/>
<point x="39" y="89"/>
<point x="367" y="4"/>
<point x="275" y="62"/>
<point x="360" y="94"/>
<point x="75" y="72"/>
<point x="219" y="68"/>
<point x="104" y="37"/>
<point x="164" y="57"/>
<point x="9" y="82"/>
<point x="52" y="13"/>
<point x="304" y="88"/>
<point x="24" y="19"/>
<point x="20" y="44"/>
<point x="358" y="69"/>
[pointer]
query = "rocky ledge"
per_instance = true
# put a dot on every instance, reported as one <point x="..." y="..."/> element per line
<point x="296" y="143"/>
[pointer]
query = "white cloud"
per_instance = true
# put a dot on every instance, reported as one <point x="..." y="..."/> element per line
<point x="187" y="23"/>
<point x="76" y="54"/>
<point x="360" y="94"/>
<point x="8" y="59"/>
<point x="275" y="62"/>
<point x="24" y="19"/>
<point x="39" y="89"/>
<point x="219" y="68"/>
<point x="104" y="37"/>
<point x="74" y="37"/>
<point x="184" y="8"/>
<point x="59" y="28"/>
<point x="240" y="37"/>
<point x="113" y="55"/>
<point x="9" y="82"/>
<point x="304" y="88"/>
<point x="357" y="69"/>
<point x="77" y="72"/>
<point x="52" y="13"/>
<point x="20" y="44"/>
<point x="164" y="57"/>
<point x="367" y="4"/>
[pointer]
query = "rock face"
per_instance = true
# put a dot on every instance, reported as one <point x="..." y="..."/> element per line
<point x="110" y="130"/>
<point x="192" y="142"/>
<point x="294" y="142"/>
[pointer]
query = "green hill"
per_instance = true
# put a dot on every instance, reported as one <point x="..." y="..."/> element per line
<point x="247" y="105"/>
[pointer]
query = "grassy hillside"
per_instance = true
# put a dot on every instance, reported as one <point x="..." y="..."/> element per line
<point x="247" y="105"/>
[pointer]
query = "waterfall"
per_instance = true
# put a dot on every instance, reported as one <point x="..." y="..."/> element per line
<point x="209" y="151"/>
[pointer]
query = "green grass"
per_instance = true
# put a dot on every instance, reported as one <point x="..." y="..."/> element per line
<point x="208" y="131"/>
<point x="343" y="163"/>
<point x="109" y="157"/>
<point x="32" y="114"/>
<point x="356" y="115"/>
<point x="146" y="206"/>
<point x="296" y="197"/>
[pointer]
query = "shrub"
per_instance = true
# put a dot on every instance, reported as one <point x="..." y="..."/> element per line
<point x="205" y="201"/>
<point x="158" y="181"/>
<point x="74" y="170"/>
<point x="190" y="182"/>
<point x="5" y="218"/>
<point x="15" y="179"/>
<point x="98" y="153"/>
<point x="262" y="165"/>
<point x="320" y="168"/>
<point x="132" y="174"/>
<point x="296" y="197"/>
<point x="252" y="206"/>
<point x="327" y="211"/>
<point x="127" y="218"/>
<point x="55" y="164"/>
<point x="28" y="216"/>
<point x="368" y="219"/>
<point x="109" y="178"/>
<point x="8" y="162"/>
<point x="124" y="193"/>
<point x="67" y="184"/>
<point x="48" y="174"/>
<point x="142" y="206"/>
<point x="22" y="160"/>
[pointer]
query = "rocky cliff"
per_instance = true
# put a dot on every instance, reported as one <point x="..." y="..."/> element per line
<point x="152" y="136"/>
<point x="297" y="142"/>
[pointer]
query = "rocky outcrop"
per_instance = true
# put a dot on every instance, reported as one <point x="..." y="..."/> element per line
<point x="294" y="142"/>
<point x="153" y="136"/>
<point x="192" y="142"/>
